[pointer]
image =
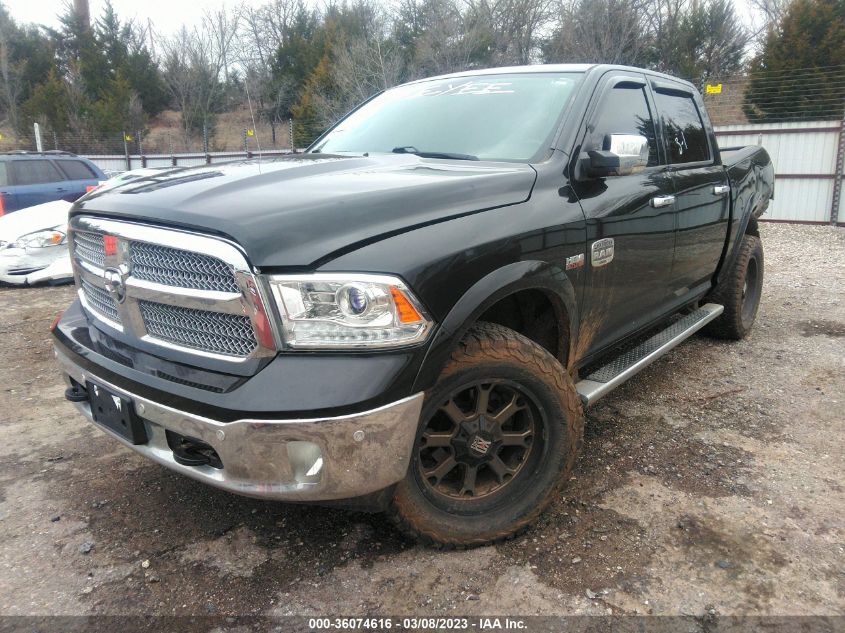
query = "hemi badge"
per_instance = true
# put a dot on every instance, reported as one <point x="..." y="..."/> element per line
<point x="110" y="244"/>
<point x="576" y="261"/>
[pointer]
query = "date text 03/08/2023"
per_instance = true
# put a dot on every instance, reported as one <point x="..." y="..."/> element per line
<point x="417" y="624"/>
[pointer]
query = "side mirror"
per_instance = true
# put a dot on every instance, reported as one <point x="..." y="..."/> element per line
<point x="625" y="154"/>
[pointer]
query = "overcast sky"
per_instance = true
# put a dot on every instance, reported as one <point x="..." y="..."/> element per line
<point x="167" y="16"/>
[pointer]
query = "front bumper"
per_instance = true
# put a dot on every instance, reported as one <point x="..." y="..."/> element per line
<point x="316" y="459"/>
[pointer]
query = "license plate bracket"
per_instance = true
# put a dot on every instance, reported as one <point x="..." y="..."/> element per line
<point x="116" y="413"/>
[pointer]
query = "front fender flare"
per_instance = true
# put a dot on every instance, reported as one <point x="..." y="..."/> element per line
<point x="486" y="292"/>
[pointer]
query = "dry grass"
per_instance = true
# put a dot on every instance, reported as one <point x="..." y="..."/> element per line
<point x="165" y="135"/>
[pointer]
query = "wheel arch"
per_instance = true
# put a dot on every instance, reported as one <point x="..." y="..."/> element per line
<point x="488" y="298"/>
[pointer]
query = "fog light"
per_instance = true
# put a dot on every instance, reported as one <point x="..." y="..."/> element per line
<point x="306" y="461"/>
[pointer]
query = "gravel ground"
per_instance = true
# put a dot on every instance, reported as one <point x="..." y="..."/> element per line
<point x="710" y="483"/>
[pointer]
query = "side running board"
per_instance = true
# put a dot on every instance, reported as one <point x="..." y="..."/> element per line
<point x="606" y="378"/>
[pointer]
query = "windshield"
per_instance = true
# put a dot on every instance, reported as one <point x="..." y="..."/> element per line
<point x="490" y="117"/>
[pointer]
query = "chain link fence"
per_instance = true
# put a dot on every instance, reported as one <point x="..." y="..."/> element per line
<point x="159" y="140"/>
<point x="809" y="94"/>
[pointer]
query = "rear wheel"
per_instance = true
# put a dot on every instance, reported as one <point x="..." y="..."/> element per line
<point x="740" y="292"/>
<point x="498" y="435"/>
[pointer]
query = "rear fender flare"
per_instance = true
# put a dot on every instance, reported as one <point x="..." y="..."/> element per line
<point x="505" y="281"/>
<point x="752" y="184"/>
<point x="748" y="214"/>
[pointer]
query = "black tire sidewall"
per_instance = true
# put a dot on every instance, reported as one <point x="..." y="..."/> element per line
<point x="755" y="255"/>
<point x="513" y="507"/>
<point x="730" y="324"/>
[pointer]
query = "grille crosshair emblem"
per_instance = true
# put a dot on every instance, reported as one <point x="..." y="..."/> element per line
<point x="114" y="284"/>
<point x="480" y="445"/>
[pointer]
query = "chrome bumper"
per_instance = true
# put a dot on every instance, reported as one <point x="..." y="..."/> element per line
<point x="296" y="459"/>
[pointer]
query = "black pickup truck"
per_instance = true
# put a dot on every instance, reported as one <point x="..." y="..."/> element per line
<point x="412" y="314"/>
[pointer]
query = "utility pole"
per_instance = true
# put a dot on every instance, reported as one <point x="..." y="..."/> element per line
<point x="838" y="175"/>
<point x="152" y="40"/>
<point x="83" y="12"/>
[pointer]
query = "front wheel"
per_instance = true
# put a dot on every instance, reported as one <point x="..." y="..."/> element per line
<point x="498" y="436"/>
<point x="739" y="292"/>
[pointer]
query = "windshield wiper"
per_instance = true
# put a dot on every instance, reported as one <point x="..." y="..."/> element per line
<point x="410" y="149"/>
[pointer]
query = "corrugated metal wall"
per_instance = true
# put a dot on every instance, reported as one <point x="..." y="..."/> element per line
<point x="804" y="155"/>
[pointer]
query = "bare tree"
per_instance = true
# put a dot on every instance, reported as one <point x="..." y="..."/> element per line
<point x="765" y="16"/>
<point x="195" y="64"/>
<point x="664" y="25"/>
<point x="360" y="70"/>
<point x="513" y="26"/>
<point x="607" y="31"/>
<point x="772" y="11"/>
<point x="263" y="30"/>
<point x="714" y="42"/>
<point x="442" y="38"/>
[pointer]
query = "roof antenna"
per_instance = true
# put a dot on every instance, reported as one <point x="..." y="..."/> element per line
<point x="254" y="127"/>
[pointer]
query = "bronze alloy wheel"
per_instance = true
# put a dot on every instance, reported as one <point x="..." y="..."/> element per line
<point x="497" y="439"/>
<point x="479" y="440"/>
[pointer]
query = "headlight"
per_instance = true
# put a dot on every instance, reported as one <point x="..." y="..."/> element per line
<point x="40" y="239"/>
<point x="326" y="311"/>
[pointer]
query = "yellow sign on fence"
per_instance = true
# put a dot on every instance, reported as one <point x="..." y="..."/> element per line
<point x="250" y="132"/>
<point x="714" y="90"/>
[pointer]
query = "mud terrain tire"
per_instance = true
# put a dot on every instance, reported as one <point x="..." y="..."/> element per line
<point x="510" y="369"/>
<point x="739" y="292"/>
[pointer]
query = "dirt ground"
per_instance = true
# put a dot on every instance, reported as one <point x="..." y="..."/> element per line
<point x="710" y="483"/>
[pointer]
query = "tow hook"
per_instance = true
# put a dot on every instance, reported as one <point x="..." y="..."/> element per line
<point x="76" y="393"/>
<point x="189" y="451"/>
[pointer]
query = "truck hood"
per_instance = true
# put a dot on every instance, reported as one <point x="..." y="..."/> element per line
<point x="308" y="208"/>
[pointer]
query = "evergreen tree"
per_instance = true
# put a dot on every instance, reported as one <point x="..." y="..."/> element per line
<point x="26" y="59"/>
<point x="126" y="52"/>
<point x="49" y="104"/>
<point x="792" y="77"/>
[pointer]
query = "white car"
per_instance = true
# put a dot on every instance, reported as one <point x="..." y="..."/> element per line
<point x="33" y="244"/>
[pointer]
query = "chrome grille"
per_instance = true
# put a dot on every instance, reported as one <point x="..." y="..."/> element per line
<point x="100" y="300"/>
<point x="89" y="248"/>
<point x="228" y="334"/>
<point x="179" y="268"/>
<point x="178" y="290"/>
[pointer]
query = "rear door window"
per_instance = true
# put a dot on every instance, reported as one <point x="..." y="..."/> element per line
<point x="35" y="172"/>
<point x="76" y="170"/>
<point x="683" y="129"/>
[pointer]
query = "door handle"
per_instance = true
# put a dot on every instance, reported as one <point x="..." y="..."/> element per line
<point x="662" y="201"/>
<point x="720" y="190"/>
